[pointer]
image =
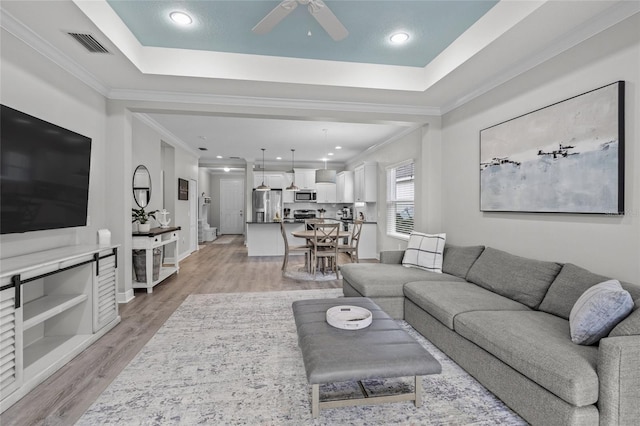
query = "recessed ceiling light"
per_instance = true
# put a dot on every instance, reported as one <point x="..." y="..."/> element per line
<point x="218" y="156"/>
<point x="338" y="147"/>
<point x="226" y="169"/>
<point x="181" y="18"/>
<point x="331" y="153"/>
<point x="399" y="38"/>
<point x="278" y="158"/>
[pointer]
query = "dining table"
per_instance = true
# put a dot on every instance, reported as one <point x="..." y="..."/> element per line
<point x="309" y="234"/>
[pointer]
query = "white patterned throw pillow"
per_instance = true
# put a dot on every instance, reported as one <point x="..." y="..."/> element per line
<point x="424" y="251"/>
<point x="598" y="311"/>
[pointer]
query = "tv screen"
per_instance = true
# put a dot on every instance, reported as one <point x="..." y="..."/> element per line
<point x="44" y="174"/>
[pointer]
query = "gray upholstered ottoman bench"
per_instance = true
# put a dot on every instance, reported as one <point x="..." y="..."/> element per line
<point x="381" y="350"/>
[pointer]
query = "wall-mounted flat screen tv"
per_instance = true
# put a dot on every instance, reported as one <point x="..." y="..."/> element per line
<point x="44" y="174"/>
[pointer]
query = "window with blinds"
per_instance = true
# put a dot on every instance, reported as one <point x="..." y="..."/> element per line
<point x="400" y="199"/>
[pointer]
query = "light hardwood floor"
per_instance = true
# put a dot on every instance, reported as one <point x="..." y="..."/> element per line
<point x="216" y="268"/>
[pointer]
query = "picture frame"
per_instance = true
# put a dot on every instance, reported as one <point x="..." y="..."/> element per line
<point x="183" y="189"/>
<point x="567" y="157"/>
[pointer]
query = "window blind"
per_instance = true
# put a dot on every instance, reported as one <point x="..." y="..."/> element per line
<point x="400" y="198"/>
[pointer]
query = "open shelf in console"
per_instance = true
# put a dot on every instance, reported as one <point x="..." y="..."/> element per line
<point x="43" y="308"/>
<point x="57" y="317"/>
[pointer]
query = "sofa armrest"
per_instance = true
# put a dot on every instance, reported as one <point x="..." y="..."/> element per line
<point x="391" y="256"/>
<point x="619" y="377"/>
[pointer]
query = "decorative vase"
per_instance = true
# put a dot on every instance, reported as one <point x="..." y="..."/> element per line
<point x="144" y="227"/>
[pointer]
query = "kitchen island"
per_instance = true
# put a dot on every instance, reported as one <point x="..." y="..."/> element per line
<point x="265" y="239"/>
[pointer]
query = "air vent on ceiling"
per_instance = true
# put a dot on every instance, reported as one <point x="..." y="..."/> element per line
<point x="89" y="43"/>
<point x="234" y="158"/>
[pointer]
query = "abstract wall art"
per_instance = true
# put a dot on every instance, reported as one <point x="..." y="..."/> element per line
<point x="564" y="158"/>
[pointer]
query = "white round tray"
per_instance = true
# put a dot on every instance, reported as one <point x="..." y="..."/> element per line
<point x="349" y="317"/>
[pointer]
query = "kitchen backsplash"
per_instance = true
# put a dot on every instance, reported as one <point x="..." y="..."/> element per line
<point x="368" y="210"/>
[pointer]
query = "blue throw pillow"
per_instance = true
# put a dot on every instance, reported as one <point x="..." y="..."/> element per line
<point x="598" y="311"/>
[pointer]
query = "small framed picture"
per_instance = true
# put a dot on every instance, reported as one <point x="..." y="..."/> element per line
<point x="183" y="189"/>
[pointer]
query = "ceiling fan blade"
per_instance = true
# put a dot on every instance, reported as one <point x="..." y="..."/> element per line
<point x="274" y="17"/>
<point x="327" y="20"/>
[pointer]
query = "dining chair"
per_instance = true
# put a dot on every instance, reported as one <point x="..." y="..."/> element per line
<point x="306" y="249"/>
<point x="351" y="248"/>
<point x="325" y="246"/>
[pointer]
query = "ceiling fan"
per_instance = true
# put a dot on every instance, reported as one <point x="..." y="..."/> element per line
<point x="317" y="8"/>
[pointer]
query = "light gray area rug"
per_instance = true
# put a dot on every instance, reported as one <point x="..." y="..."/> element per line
<point x="233" y="359"/>
<point x="300" y="273"/>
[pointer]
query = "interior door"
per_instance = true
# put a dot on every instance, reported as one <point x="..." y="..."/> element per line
<point x="232" y="211"/>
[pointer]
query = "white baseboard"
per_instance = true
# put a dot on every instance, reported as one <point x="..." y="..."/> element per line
<point x="126" y="297"/>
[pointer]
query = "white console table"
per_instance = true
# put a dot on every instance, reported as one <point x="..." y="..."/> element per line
<point x="157" y="238"/>
<point x="53" y="305"/>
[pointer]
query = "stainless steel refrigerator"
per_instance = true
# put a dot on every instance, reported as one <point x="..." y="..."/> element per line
<point x="267" y="205"/>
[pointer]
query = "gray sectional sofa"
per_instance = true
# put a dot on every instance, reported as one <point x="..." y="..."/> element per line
<point x="505" y="319"/>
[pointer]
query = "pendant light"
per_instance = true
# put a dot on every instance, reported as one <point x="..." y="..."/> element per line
<point x="263" y="187"/>
<point x="325" y="175"/>
<point x="293" y="186"/>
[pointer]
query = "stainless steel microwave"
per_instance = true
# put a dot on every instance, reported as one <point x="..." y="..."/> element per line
<point x="305" y="196"/>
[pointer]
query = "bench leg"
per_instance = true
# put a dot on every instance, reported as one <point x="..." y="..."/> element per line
<point x="418" y="391"/>
<point x="315" y="400"/>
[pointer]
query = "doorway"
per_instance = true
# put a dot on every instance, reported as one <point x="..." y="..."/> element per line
<point x="232" y="217"/>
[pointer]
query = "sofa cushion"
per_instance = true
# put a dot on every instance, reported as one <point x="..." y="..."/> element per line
<point x="445" y="300"/>
<point x="384" y="280"/>
<point x="599" y="309"/>
<point x="630" y="326"/>
<point x="536" y="344"/>
<point x="458" y="260"/>
<point x="518" y="278"/>
<point x="424" y="251"/>
<point x="565" y="290"/>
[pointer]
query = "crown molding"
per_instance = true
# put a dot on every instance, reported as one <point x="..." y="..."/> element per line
<point x="359" y="158"/>
<point x="167" y="136"/>
<point x="263" y="102"/>
<point x="604" y="21"/>
<point x="9" y="23"/>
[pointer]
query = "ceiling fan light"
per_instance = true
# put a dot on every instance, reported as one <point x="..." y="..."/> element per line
<point x="399" y="38"/>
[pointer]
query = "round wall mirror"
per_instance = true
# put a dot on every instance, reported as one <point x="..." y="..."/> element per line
<point x="141" y="186"/>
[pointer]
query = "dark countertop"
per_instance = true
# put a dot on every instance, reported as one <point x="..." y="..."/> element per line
<point x="286" y="221"/>
<point x="156" y="231"/>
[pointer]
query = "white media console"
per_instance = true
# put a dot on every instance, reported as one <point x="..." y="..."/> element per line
<point x="53" y="305"/>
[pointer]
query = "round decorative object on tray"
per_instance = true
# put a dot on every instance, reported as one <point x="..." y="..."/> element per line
<point x="349" y="317"/>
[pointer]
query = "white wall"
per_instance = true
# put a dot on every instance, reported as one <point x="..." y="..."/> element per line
<point x="149" y="149"/>
<point x="604" y="244"/>
<point x="405" y="148"/>
<point x="34" y="85"/>
<point x="186" y="167"/>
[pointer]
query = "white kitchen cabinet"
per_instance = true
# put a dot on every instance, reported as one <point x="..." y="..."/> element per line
<point x="344" y="187"/>
<point x="306" y="178"/>
<point x="272" y="180"/>
<point x="366" y="182"/>
<point x="53" y="305"/>
<point x="326" y="193"/>
<point x="367" y="248"/>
